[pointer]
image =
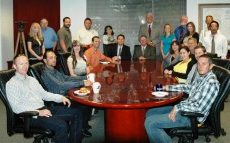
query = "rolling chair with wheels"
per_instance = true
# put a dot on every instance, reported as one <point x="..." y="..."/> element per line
<point x="212" y="125"/>
<point x="20" y="123"/>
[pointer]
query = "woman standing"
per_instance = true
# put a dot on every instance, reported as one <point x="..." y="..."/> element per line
<point x="108" y="38"/>
<point x="191" y="33"/>
<point x="76" y="62"/>
<point x="35" y="44"/>
<point x="166" y="40"/>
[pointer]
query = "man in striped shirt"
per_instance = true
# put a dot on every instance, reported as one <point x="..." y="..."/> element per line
<point x="202" y="93"/>
<point x="24" y="93"/>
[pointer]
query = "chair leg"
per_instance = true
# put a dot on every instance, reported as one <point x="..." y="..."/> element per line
<point x="37" y="140"/>
<point x="207" y="139"/>
<point x="222" y="131"/>
<point x="45" y="140"/>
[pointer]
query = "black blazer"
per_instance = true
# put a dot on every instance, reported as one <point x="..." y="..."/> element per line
<point x="125" y="53"/>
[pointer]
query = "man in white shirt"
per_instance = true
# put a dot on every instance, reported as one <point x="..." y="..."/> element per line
<point x="215" y="42"/>
<point x="204" y="32"/>
<point x="85" y="35"/>
<point x="24" y="93"/>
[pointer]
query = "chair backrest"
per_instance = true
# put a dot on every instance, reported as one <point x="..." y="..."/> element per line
<point x="35" y="71"/>
<point x="5" y="76"/>
<point x="62" y="63"/>
<point x="225" y="63"/>
<point x="223" y="76"/>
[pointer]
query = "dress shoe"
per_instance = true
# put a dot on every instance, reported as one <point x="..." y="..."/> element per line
<point x="86" y="133"/>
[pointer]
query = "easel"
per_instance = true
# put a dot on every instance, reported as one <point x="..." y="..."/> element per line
<point x="20" y="39"/>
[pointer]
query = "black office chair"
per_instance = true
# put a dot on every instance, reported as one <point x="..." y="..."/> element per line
<point x="212" y="125"/>
<point x="20" y="123"/>
<point x="62" y="63"/>
<point x="225" y="63"/>
<point x="35" y="71"/>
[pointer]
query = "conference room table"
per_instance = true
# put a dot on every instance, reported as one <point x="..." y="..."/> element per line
<point x="125" y="96"/>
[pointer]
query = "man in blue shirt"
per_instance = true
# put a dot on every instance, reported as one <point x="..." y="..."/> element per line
<point x="202" y="93"/>
<point x="50" y="36"/>
<point x="181" y="30"/>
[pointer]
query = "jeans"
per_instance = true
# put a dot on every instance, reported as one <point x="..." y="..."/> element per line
<point x="66" y="123"/>
<point x="157" y="120"/>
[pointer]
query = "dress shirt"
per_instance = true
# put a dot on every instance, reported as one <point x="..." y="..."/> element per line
<point x="221" y="44"/>
<point x="202" y="93"/>
<point x="143" y="50"/>
<point x="60" y="83"/>
<point x="50" y="37"/>
<point x="119" y="50"/>
<point x="85" y="36"/>
<point x="93" y="57"/>
<point x="26" y="94"/>
<point x="193" y="74"/>
<point x="180" y="33"/>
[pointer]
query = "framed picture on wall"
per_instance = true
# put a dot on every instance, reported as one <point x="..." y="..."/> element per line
<point x="220" y="13"/>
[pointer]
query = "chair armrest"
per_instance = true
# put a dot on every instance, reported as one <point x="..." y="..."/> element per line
<point x="28" y="114"/>
<point x="26" y="118"/>
<point x="193" y="119"/>
<point x="191" y="114"/>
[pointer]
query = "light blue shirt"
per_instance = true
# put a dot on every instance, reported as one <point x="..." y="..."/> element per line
<point x="50" y="37"/>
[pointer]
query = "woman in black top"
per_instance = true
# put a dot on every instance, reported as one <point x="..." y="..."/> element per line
<point x="35" y="44"/>
<point x="191" y="33"/>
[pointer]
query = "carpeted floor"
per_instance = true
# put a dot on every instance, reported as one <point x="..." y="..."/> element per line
<point x="97" y="123"/>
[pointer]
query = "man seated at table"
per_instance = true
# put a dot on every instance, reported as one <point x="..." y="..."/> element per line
<point x="59" y="83"/>
<point x="202" y="93"/>
<point x="198" y="50"/>
<point x="120" y="50"/>
<point x="144" y="51"/>
<point x="93" y="55"/>
<point x="26" y="94"/>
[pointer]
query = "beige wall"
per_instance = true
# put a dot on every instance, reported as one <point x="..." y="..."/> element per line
<point x="6" y="32"/>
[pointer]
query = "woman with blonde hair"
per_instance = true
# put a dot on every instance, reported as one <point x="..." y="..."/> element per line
<point x="35" y="44"/>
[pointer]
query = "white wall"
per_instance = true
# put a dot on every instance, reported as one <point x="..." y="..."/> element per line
<point x="193" y="7"/>
<point x="76" y="10"/>
<point x="6" y="32"/>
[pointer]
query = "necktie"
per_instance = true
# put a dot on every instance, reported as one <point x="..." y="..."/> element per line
<point x="213" y="45"/>
<point x="119" y="50"/>
<point x="149" y="30"/>
<point x="143" y="51"/>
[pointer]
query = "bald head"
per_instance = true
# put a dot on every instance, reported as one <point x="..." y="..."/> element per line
<point x="183" y="20"/>
<point x="149" y="18"/>
<point x="21" y="64"/>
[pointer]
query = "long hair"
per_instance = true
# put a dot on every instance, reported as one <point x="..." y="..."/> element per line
<point x="81" y="53"/>
<point x="167" y="24"/>
<point x="33" y="34"/>
<point x="105" y="30"/>
<point x="193" y="26"/>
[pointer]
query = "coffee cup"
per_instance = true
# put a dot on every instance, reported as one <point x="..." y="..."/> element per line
<point x="158" y="87"/>
<point x="91" y="77"/>
<point x="96" y="87"/>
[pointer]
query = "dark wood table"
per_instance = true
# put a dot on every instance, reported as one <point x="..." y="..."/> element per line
<point x="126" y="94"/>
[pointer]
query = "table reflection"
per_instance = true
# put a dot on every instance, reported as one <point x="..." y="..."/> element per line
<point x="126" y="94"/>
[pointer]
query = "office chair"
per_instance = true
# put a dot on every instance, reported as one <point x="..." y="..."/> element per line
<point x="35" y="71"/>
<point x="212" y="125"/>
<point x="225" y="63"/>
<point x="20" y="123"/>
